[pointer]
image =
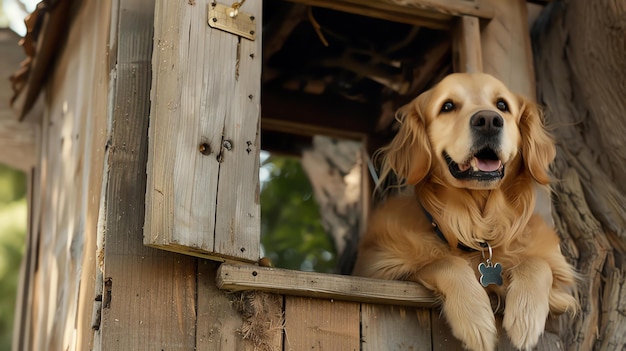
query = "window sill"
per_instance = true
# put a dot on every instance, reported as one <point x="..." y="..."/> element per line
<point x="239" y="277"/>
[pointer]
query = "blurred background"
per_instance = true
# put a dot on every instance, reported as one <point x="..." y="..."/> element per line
<point x="292" y="234"/>
<point x="13" y="214"/>
<point x="12" y="231"/>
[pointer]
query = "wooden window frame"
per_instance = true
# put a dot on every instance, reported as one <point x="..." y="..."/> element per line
<point x="464" y="24"/>
<point x="461" y="17"/>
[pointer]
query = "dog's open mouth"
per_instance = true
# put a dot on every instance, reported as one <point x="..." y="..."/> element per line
<point x="484" y="165"/>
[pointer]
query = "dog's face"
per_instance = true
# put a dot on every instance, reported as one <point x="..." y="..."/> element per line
<point x="471" y="122"/>
<point x="467" y="130"/>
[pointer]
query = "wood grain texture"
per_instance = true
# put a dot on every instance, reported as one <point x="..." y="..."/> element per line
<point x="598" y="64"/>
<point x="466" y="48"/>
<point x="237" y="277"/>
<point x="591" y="206"/>
<point x="506" y="51"/>
<point x="64" y="192"/>
<point x="317" y="325"/>
<point x="150" y="295"/>
<point x="427" y="13"/>
<point x="202" y="187"/>
<point x="443" y="340"/>
<point x="220" y="324"/>
<point x="238" y="215"/>
<point x="218" y="321"/>
<point x="395" y="328"/>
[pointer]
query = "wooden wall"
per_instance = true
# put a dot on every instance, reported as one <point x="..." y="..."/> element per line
<point x="65" y="193"/>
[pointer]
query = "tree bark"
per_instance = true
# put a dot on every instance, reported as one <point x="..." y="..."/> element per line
<point x="580" y="64"/>
<point x="334" y="168"/>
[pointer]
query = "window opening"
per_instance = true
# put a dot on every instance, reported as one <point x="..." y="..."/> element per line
<point x="292" y="235"/>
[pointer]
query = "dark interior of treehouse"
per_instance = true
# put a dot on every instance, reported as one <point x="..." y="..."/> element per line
<point x="331" y="84"/>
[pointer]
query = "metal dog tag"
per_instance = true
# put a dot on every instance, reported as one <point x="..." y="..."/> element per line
<point x="490" y="273"/>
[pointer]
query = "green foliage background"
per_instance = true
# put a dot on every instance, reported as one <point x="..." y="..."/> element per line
<point x="12" y="231"/>
<point x="291" y="231"/>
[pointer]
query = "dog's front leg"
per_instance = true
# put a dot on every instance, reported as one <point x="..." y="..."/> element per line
<point x="466" y="304"/>
<point x="527" y="302"/>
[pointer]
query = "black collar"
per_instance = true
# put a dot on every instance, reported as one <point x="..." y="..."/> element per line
<point x="440" y="234"/>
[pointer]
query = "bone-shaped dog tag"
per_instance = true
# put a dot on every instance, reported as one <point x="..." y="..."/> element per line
<point x="490" y="274"/>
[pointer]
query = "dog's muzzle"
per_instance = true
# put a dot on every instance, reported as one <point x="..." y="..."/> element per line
<point x="484" y="164"/>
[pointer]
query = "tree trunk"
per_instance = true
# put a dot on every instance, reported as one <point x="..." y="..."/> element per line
<point x="335" y="169"/>
<point x="580" y="63"/>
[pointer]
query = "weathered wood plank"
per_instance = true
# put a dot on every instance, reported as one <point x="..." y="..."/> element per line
<point x="217" y="320"/>
<point x="236" y="277"/>
<point x="149" y="302"/>
<point x="238" y="215"/>
<point x="53" y="35"/>
<point x="203" y="135"/>
<point x="466" y="49"/>
<point x="95" y="26"/>
<point x="425" y="13"/>
<point x="220" y="324"/>
<point x="150" y="295"/>
<point x="65" y="187"/>
<point x="443" y="340"/>
<point x="395" y="328"/>
<point x="505" y="44"/>
<point x="315" y="324"/>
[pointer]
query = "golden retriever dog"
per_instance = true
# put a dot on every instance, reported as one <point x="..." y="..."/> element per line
<point x="474" y="152"/>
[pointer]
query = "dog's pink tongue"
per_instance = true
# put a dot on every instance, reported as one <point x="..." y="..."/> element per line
<point x="488" y="165"/>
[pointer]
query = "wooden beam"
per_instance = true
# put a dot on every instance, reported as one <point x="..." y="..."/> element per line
<point x="296" y="113"/>
<point x="466" y="48"/>
<point x="54" y="30"/>
<point x="505" y="44"/>
<point x="435" y="14"/>
<point x="150" y="297"/>
<point x="237" y="277"/>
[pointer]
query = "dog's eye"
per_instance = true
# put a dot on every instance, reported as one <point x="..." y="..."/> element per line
<point x="447" y="106"/>
<point x="502" y="106"/>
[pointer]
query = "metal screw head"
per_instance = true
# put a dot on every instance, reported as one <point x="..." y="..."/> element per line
<point x="204" y="149"/>
<point x="228" y="145"/>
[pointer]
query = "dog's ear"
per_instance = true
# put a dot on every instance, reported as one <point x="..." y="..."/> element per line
<point x="409" y="155"/>
<point x="538" y="149"/>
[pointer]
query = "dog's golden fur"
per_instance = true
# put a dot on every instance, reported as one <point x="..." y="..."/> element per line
<point x="401" y="243"/>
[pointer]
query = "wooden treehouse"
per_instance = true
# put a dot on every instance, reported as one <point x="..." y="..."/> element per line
<point x="149" y="118"/>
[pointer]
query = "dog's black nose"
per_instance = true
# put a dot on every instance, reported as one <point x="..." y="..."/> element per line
<point x="486" y="122"/>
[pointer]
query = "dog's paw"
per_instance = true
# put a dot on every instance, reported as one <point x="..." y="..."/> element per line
<point x="525" y="317"/>
<point x="472" y="321"/>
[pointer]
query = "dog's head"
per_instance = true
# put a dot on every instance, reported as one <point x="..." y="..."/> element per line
<point x="468" y="131"/>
